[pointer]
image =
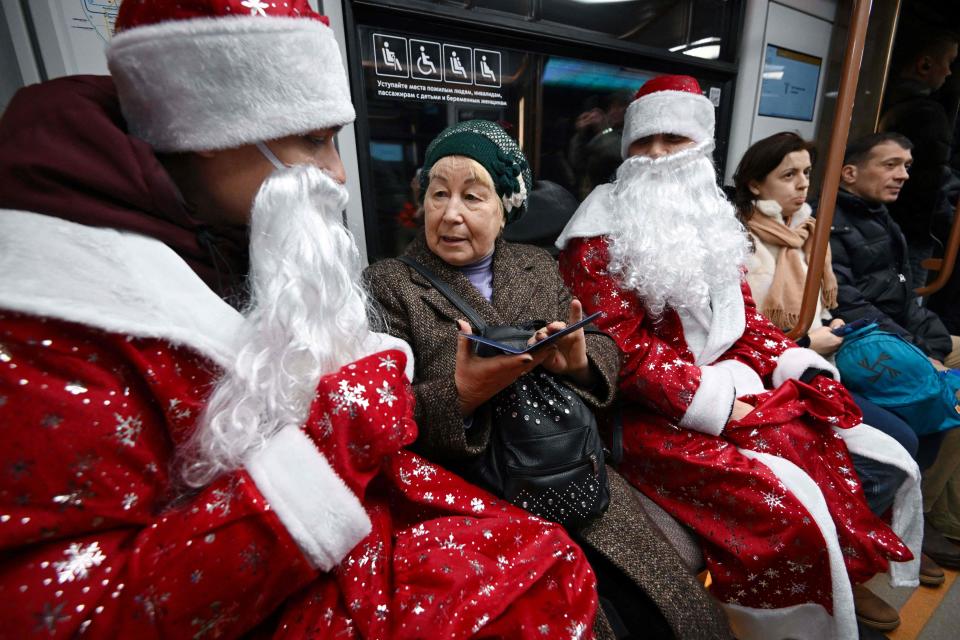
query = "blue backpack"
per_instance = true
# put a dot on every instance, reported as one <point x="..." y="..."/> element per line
<point x="890" y="372"/>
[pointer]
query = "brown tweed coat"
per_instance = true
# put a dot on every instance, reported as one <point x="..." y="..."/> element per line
<point x="527" y="286"/>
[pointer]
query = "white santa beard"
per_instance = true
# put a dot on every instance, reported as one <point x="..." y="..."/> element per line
<point x="678" y="237"/>
<point x="307" y="317"/>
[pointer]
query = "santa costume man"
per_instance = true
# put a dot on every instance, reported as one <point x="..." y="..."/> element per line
<point x="728" y="425"/>
<point x="174" y="468"/>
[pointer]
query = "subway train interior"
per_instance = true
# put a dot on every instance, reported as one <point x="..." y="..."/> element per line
<point x="560" y="78"/>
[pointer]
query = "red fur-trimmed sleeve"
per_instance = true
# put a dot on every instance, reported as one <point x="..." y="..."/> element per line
<point x="766" y="350"/>
<point x="656" y="371"/>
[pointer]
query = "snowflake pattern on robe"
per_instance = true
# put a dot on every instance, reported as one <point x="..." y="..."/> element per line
<point x="218" y="561"/>
<point x="79" y="561"/>
<point x="724" y="496"/>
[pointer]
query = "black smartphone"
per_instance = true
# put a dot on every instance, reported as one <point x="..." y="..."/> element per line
<point x="849" y="328"/>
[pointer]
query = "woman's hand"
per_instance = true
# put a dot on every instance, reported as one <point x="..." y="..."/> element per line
<point x="478" y="379"/>
<point x="569" y="356"/>
<point x="740" y="411"/>
<point x="823" y="341"/>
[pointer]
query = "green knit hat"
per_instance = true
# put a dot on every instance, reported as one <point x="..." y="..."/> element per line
<point x="491" y="146"/>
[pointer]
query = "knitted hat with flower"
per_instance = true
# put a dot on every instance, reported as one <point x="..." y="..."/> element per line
<point x="498" y="153"/>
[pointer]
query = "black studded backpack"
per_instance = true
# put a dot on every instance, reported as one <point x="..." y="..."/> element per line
<point x="546" y="454"/>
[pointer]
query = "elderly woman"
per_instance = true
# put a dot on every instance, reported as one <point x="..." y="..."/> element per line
<point x="475" y="180"/>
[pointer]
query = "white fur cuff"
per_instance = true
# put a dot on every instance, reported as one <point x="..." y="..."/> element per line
<point x="793" y="362"/>
<point x="745" y="380"/>
<point x="712" y="403"/>
<point x="322" y="515"/>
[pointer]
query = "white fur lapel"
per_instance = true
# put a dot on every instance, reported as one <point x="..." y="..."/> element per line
<point x="708" y="333"/>
<point x="113" y="280"/>
<point x="711" y="332"/>
<point x="594" y="217"/>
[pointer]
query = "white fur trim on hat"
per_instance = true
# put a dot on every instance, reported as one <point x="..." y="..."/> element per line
<point x="677" y="112"/>
<point x="219" y="83"/>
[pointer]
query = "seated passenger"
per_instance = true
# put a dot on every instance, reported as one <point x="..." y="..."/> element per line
<point x="728" y="425"/>
<point x="870" y="253"/>
<point x="771" y="185"/>
<point x="871" y="263"/>
<point x="175" y="469"/>
<point x="475" y="181"/>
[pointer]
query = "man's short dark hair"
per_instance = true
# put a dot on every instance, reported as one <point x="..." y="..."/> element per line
<point x="860" y="149"/>
<point x="915" y="43"/>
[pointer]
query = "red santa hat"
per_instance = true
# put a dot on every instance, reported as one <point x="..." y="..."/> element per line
<point x="668" y="104"/>
<point x="201" y="75"/>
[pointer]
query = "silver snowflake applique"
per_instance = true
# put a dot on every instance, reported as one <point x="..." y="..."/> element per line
<point x="80" y="559"/>
<point x="450" y="543"/>
<point x="482" y="620"/>
<point x="127" y="429"/>
<point x="387" y="396"/>
<point x="372" y="554"/>
<point x="221" y="500"/>
<point x="348" y="399"/>
<point x="152" y="602"/>
<point x="425" y="470"/>
<point x="325" y="425"/>
<point x="50" y="617"/>
<point x="388" y="363"/>
<point x="477" y="505"/>
<point x="544" y="629"/>
<point x="773" y="500"/>
<point x="252" y="558"/>
<point x="128" y="501"/>
<point x="256" y="7"/>
<point x="74" y="497"/>
<point x="797" y="567"/>
<point x="576" y="630"/>
<point x="176" y="412"/>
<point x="448" y="498"/>
<point x="487" y="589"/>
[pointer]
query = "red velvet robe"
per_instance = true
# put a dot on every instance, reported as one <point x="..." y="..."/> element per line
<point x="773" y="498"/>
<point x="98" y="539"/>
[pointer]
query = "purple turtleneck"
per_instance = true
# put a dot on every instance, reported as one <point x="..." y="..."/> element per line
<point x="480" y="275"/>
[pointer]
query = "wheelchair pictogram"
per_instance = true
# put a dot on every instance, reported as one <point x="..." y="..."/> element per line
<point x="425" y="60"/>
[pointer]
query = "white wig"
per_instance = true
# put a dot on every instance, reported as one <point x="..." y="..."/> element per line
<point x="678" y="237"/>
<point x="307" y="318"/>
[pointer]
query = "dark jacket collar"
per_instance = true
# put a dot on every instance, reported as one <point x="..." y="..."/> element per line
<point x="512" y="283"/>
<point x="856" y="205"/>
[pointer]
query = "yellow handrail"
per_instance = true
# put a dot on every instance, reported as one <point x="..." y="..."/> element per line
<point x="831" y="182"/>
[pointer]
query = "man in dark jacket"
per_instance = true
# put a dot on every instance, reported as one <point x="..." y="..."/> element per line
<point x="910" y="110"/>
<point x="870" y="251"/>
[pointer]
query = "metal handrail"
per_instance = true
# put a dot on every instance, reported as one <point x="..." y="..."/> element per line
<point x="949" y="258"/>
<point x="860" y="15"/>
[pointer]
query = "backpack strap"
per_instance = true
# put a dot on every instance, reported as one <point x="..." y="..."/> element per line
<point x="447" y="293"/>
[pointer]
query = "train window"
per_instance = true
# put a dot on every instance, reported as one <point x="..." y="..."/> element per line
<point x="566" y="112"/>
<point x="693" y="27"/>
